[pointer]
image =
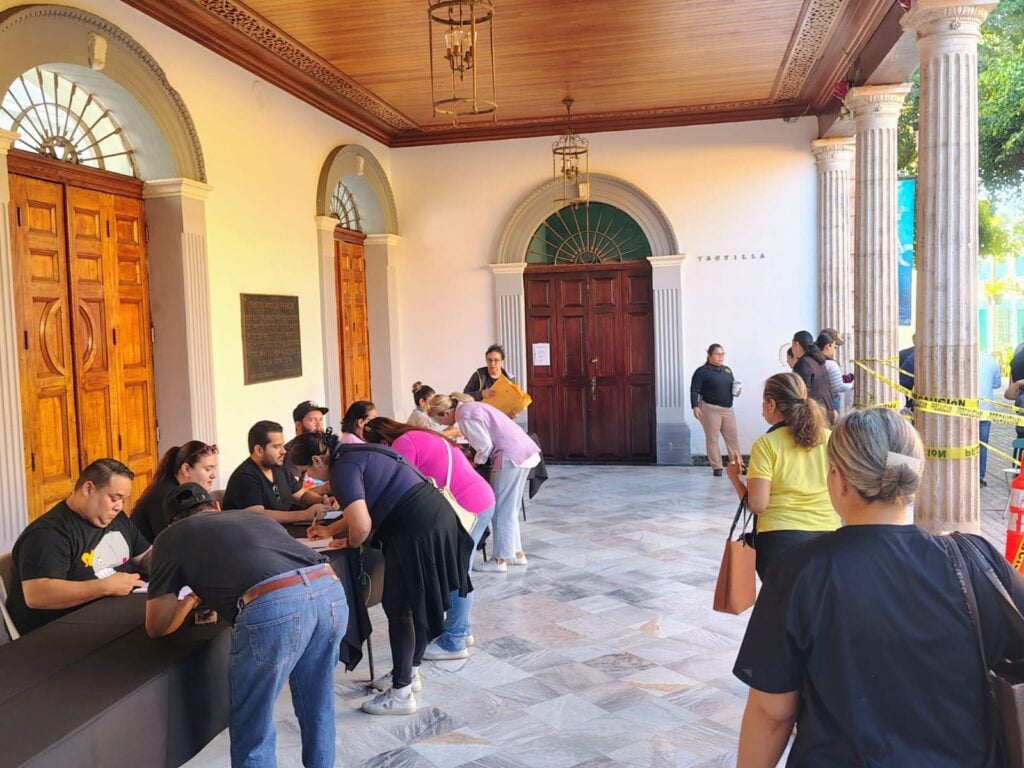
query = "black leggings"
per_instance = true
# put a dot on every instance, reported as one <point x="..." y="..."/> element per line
<point x="408" y="638"/>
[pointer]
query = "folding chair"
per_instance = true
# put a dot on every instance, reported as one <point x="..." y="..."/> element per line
<point x="371" y="577"/>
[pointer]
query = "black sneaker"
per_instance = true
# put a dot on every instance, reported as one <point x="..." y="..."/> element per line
<point x="716" y="472"/>
<point x="983" y="483"/>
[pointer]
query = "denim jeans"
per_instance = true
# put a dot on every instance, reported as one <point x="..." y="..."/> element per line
<point x="984" y="428"/>
<point x="289" y="634"/>
<point x="508" y="482"/>
<point x="457" y="620"/>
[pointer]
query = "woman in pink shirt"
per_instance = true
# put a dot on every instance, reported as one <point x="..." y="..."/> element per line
<point x="435" y="456"/>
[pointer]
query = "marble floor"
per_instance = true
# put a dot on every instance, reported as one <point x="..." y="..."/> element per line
<point x="604" y="652"/>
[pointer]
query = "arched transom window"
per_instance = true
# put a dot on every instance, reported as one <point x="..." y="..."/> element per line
<point x="588" y="234"/>
<point x="344" y="209"/>
<point x="57" y="118"/>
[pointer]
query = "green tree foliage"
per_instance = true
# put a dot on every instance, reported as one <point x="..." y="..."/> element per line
<point x="994" y="240"/>
<point x="1000" y="103"/>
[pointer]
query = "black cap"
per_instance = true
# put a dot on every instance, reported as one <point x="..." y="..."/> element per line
<point x="183" y="499"/>
<point x="303" y="408"/>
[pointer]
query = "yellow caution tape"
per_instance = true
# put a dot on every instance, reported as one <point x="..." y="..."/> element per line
<point x="960" y="452"/>
<point x="1018" y="558"/>
<point x="902" y="390"/>
<point x="1008" y="457"/>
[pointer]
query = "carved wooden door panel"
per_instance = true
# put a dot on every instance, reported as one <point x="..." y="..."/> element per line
<point x="137" y="413"/>
<point x="353" y="327"/>
<point x="93" y="294"/>
<point x="45" y="360"/>
<point x="595" y="400"/>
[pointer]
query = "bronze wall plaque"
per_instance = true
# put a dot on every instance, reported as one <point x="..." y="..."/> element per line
<point x="271" y="343"/>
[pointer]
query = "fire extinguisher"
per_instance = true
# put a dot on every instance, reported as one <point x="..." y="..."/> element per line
<point x="1015" y="523"/>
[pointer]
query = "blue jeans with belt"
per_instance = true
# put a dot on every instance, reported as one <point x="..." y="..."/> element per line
<point x="289" y="634"/>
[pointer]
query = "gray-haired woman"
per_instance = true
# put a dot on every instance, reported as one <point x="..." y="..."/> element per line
<point x="862" y="636"/>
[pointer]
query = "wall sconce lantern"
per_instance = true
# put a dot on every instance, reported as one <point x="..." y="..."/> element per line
<point x="459" y="26"/>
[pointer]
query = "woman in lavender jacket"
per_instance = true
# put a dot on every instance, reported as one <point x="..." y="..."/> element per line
<point x="493" y="435"/>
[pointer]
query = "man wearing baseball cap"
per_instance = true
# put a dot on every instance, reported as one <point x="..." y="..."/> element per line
<point x="308" y="417"/>
<point x="286" y="604"/>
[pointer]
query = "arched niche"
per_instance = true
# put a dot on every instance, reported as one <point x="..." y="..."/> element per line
<point x="363" y="175"/>
<point x="535" y="208"/>
<point x="131" y="84"/>
<point x="509" y="263"/>
<point x="359" y="170"/>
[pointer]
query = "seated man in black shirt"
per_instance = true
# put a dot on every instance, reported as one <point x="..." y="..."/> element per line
<point x="82" y="549"/>
<point x="286" y="604"/>
<point x="261" y="483"/>
<point x="309" y="418"/>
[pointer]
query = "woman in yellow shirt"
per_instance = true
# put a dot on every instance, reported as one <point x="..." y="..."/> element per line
<point x="787" y="478"/>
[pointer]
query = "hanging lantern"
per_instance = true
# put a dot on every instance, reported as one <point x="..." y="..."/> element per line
<point x="457" y="67"/>
<point x="570" y="165"/>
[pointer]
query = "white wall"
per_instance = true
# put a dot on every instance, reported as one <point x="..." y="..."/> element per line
<point x="727" y="189"/>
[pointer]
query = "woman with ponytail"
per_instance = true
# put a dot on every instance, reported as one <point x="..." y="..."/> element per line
<point x="863" y="637"/>
<point x="810" y="365"/>
<point x="193" y="462"/>
<point x="786" y="480"/>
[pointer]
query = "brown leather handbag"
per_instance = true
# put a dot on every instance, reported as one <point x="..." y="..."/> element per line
<point x="736" y="588"/>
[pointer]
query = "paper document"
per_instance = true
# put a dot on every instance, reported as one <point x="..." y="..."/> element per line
<point x="143" y="587"/>
<point x="331" y="514"/>
<point x="315" y="543"/>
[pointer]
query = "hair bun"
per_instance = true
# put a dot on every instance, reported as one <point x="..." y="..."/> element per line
<point x="417" y="385"/>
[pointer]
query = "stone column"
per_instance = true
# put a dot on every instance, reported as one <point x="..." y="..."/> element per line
<point x="876" y="109"/>
<point x="510" y="320"/>
<point x="835" y="260"/>
<point x="946" y="357"/>
<point x="13" y="490"/>
<point x="180" y="305"/>
<point x="391" y="392"/>
<point x="672" y="437"/>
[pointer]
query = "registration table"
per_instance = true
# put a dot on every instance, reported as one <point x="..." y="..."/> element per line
<point x="92" y="689"/>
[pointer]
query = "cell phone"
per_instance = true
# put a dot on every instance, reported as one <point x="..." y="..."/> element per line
<point x="205" y="616"/>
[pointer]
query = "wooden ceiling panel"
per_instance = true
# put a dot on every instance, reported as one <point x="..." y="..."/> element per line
<point x="642" y="63"/>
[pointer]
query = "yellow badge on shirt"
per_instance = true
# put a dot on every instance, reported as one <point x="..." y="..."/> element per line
<point x="87" y="559"/>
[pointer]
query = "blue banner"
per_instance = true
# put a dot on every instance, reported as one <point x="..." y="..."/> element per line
<point x="905" y="189"/>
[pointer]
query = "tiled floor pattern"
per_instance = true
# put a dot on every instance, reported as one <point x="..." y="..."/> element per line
<point x="604" y="652"/>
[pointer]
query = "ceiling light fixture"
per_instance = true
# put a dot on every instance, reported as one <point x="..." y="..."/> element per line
<point x="570" y="164"/>
<point x="460" y="26"/>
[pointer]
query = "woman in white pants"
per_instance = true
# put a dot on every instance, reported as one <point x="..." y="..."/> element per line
<point x="494" y="436"/>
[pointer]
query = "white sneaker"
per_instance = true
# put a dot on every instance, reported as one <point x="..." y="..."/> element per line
<point x="519" y="560"/>
<point x="470" y="640"/>
<point x="490" y="566"/>
<point x="435" y="652"/>
<point x="385" y="682"/>
<point x="390" y="703"/>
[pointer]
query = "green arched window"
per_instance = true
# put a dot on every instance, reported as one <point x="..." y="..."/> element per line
<point x="588" y="234"/>
<point x="344" y="208"/>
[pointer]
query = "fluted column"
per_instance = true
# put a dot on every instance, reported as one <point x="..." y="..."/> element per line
<point x="672" y="432"/>
<point x="876" y="109"/>
<point x="180" y="305"/>
<point x="946" y="253"/>
<point x="834" y="158"/>
<point x="13" y="491"/>
<point x="510" y="317"/>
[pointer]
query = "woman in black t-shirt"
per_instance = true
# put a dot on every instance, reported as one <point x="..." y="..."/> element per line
<point x="193" y="462"/>
<point x="385" y="500"/>
<point x="810" y="365"/>
<point x="862" y="636"/>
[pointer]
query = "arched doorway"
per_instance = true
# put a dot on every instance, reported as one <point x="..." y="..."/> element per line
<point x="105" y="225"/>
<point x="672" y="435"/>
<point x="590" y="336"/>
<point x="358" y="225"/>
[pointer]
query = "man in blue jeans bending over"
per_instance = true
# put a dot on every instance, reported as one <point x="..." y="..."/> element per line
<point x="287" y="606"/>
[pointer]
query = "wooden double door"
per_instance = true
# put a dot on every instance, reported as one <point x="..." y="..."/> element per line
<point x="594" y="400"/>
<point x="353" y="325"/>
<point x="84" y="332"/>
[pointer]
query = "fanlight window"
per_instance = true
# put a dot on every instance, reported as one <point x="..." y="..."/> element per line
<point x="344" y="209"/>
<point x="588" y="234"/>
<point x="57" y="118"/>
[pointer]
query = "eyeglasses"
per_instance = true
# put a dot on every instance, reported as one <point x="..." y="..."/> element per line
<point x="206" y="450"/>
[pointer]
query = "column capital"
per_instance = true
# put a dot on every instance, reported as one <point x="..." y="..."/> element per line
<point x="516" y="268"/>
<point x="386" y="239"/>
<point x="325" y="223"/>
<point x="187" y="188"/>
<point x="663" y="262"/>
<point x="877" y="101"/>
<point x="835" y="153"/>
<point x="6" y="139"/>
<point x="947" y="17"/>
